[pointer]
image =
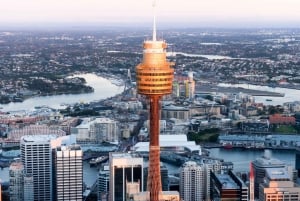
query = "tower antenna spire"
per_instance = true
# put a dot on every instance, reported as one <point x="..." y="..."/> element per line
<point x="154" y="20"/>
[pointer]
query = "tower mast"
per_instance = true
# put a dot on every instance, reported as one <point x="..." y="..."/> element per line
<point x="154" y="21"/>
<point x="154" y="78"/>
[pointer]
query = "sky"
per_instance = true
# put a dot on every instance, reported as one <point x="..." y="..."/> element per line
<point x="173" y="12"/>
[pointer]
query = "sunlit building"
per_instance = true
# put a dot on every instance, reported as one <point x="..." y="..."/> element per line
<point x="260" y="165"/>
<point x="278" y="186"/>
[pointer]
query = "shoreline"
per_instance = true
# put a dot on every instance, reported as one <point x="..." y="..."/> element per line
<point x="114" y="80"/>
<point x="209" y="88"/>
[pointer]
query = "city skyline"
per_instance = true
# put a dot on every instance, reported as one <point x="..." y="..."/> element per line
<point x="216" y="13"/>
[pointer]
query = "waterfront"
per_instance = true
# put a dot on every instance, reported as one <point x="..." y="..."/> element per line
<point x="207" y="56"/>
<point x="103" y="88"/>
<point x="290" y="95"/>
<point x="241" y="157"/>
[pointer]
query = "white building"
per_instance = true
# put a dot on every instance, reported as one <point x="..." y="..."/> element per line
<point x="37" y="159"/>
<point x="94" y="131"/>
<point x="36" y="155"/>
<point x="176" y="143"/>
<point x="192" y="182"/>
<point x="68" y="172"/>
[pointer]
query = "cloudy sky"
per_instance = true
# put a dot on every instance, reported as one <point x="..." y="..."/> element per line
<point x="195" y="12"/>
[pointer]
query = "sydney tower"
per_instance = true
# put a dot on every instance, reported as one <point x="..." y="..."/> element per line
<point x="154" y="79"/>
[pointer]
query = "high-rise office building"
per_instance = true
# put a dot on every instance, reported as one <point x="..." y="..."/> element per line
<point x="103" y="182"/>
<point x="16" y="181"/>
<point x="259" y="167"/>
<point x="192" y="182"/>
<point x="124" y="168"/>
<point x="68" y="169"/>
<point x="154" y="78"/>
<point x="277" y="185"/>
<point x="37" y="160"/>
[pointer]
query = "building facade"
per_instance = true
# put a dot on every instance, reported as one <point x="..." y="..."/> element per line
<point x="37" y="160"/>
<point x="16" y="181"/>
<point x="94" y="131"/>
<point x="228" y="187"/>
<point x="103" y="183"/>
<point x="124" y="168"/>
<point x="259" y="167"/>
<point x="278" y="186"/>
<point x="68" y="171"/>
<point x="192" y="182"/>
<point x="28" y="188"/>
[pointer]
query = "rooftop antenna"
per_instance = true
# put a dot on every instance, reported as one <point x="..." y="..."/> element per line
<point x="154" y="20"/>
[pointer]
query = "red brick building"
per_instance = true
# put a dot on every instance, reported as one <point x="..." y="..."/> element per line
<point x="279" y="119"/>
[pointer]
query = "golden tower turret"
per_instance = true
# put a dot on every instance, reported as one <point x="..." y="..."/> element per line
<point x="154" y="77"/>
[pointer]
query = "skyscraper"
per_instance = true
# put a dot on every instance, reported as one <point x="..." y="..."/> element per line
<point x="37" y="160"/>
<point x="124" y="168"/>
<point x="68" y="171"/>
<point x="192" y="182"/>
<point x="16" y="181"/>
<point x="103" y="182"/>
<point x="277" y="185"/>
<point x="259" y="167"/>
<point x="154" y="78"/>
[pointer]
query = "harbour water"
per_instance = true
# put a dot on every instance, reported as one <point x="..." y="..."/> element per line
<point x="290" y="95"/>
<point x="241" y="158"/>
<point x="103" y="88"/>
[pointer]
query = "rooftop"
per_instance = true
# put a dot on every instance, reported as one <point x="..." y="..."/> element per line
<point x="38" y="138"/>
<point x="227" y="182"/>
<point x="268" y="162"/>
<point x="277" y="174"/>
<point x="169" y="141"/>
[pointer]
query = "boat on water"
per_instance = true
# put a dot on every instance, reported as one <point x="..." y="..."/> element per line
<point x="96" y="161"/>
<point x="227" y="146"/>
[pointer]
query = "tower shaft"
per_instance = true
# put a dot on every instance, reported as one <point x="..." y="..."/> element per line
<point x="154" y="177"/>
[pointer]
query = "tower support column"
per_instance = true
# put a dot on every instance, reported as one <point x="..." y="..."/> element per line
<point x="154" y="178"/>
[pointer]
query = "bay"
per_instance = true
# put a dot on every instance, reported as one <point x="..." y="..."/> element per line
<point x="207" y="56"/>
<point x="241" y="158"/>
<point x="290" y="95"/>
<point x="103" y="88"/>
